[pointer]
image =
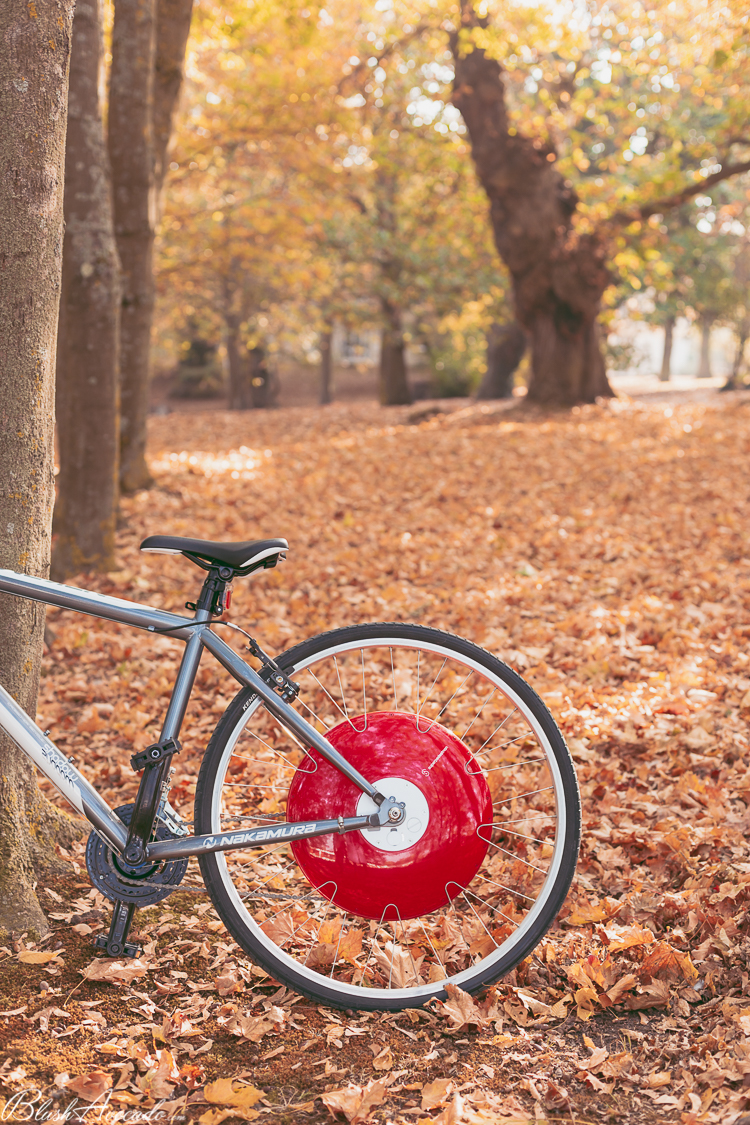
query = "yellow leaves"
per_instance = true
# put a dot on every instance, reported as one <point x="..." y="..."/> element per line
<point x="239" y="1098"/>
<point x="39" y="956"/>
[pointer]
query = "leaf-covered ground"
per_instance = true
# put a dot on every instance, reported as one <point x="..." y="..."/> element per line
<point x="604" y="553"/>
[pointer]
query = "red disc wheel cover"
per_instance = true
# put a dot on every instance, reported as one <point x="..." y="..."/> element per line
<point x="365" y="880"/>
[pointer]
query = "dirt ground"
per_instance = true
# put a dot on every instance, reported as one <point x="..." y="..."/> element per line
<point x="604" y="553"/>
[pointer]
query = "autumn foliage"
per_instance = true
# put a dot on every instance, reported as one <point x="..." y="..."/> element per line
<point x="603" y="553"/>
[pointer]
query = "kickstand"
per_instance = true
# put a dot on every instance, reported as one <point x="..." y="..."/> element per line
<point x="116" y="943"/>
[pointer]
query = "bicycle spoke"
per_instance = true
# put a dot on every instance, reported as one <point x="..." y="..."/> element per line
<point x="517" y="796"/>
<point x="506" y="852"/>
<point x="479" y="712"/>
<point x="508" y="889"/>
<point x="343" y="696"/>
<point x="427" y="697"/>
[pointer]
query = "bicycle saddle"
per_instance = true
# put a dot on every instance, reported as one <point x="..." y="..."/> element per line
<point x="235" y="555"/>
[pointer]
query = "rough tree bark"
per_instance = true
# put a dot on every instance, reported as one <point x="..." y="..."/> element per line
<point x="704" y="363"/>
<point x="394" y="385"/>
<point x="558" y="275"/>
<point x="34" y="53"/>
<point x="506" y="344"/>
<point x="326" y="367"/>
<point x="172" y="30"/>
<point x="87" y="389"/>
<point x="131" y="150"/>
<point x="666" y="359"/>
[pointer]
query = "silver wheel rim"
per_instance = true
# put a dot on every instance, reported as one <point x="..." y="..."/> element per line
<point x="345" y="991"/>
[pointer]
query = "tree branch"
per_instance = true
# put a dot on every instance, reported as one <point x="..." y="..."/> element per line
<point x="669" y="202"/>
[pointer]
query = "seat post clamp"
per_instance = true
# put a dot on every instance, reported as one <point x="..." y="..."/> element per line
<point x="154" y="754"/>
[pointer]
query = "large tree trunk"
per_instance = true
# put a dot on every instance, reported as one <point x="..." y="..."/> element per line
<point x="394" y="385"/>
<point x="506" y="344"/>
<point x="666" y="359"/>
<point x="172" y="30"/>
<point x="326" y="367"/>
<point x="34" y="52"/>
<point x="704" y="363"/>
<point x="558" y="275"/>
<point x="87" y="391"/>
<point x="131" y="149"/>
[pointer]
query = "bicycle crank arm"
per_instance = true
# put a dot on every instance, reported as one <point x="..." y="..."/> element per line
<point x="254" y="837"/>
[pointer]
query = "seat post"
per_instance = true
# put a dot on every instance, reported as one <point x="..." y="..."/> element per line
<point x="211" y="599"/>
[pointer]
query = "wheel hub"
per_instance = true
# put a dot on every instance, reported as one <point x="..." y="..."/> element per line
<point x="412" y="868"/>
<point x="415" y="820"/>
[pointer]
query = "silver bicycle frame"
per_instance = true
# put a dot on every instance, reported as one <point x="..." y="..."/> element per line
<point x="197" y="634"/>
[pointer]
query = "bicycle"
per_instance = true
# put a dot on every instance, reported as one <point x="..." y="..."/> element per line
<point x="382" y="810"/>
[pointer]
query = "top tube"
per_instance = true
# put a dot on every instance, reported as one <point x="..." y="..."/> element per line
<point x="96" y="605"/>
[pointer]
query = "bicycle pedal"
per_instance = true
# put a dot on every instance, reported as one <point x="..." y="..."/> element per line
<point x="129" y="949"/>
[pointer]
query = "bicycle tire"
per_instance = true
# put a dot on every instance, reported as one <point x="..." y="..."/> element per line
<point x="231" y="887"/>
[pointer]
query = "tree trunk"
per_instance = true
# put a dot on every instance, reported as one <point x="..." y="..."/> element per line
<point x="131" y="149"/>
<point x="394" y="385"/>
<point x="558" y="274"/>
<point x="666" y="359"/>
<point x="704" y="364"/>
<point x="34" y="52"/>
<point x="260" y="378"/>
<point x="326" y="367"/>
<point x="172" y="30"/>
<point x="733" y="382"/>
<point x="239" y="391"/>
<point x="506" y="344"/>
<point x="87" y="391"/>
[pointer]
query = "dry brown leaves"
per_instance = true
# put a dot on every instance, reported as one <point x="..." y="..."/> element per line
<point x="606" y="554"/>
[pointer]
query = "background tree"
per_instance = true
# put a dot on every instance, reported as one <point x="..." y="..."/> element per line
<point x="34" y="55"/>
<point x="506" y="344"/>
<point x="568" y="162"/>
<point x="349" y="201"/>
<point x="149" y="38"/>
<point x="131" y="151"/>
<point x="87" y="386"/>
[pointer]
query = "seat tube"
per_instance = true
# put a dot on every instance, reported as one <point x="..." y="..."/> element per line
<point x="191" y="658"/>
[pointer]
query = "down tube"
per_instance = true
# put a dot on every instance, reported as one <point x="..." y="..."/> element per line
<point x="62" y="773"/>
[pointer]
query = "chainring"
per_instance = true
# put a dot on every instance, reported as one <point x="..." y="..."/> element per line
<point x="120" y="882"/>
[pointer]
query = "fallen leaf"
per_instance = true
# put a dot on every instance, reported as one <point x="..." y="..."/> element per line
<point x="668" y="963"/>
<point x="355" y="1102"/>
<point x="383" y="1060"/>
<point x="90" y="1086"/>
<point x="114" y="972"/>
<point x="436" y="1093"/>
<point x="39" y="956"/>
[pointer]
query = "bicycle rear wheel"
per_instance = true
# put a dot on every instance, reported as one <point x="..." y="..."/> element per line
<point x="463" y="890"/>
